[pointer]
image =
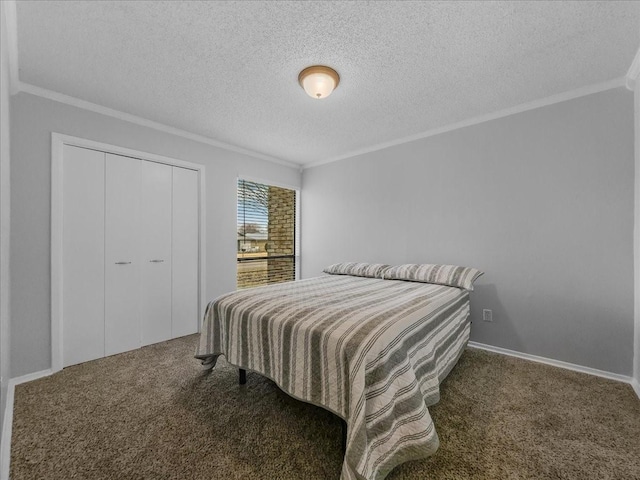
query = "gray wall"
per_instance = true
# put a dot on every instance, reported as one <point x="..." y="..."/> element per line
<point x="33" y="119"/>
<point x="542" y="201"/>
<point x="4" y="215"/>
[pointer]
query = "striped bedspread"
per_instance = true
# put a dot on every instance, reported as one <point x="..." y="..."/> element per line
<point x="372" y="351"/>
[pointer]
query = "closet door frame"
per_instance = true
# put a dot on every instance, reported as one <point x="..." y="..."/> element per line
<point x="58" y="141"/>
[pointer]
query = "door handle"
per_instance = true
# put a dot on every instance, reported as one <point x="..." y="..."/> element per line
<point x="156" y="261"/>
<point x="123" y="263"/>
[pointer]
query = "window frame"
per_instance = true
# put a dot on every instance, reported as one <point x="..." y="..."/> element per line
<point x="297" y="241"/>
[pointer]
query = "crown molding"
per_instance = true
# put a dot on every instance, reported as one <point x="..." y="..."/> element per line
<point x="634" y="72"/>
<point x="523" y="107"/>
<point x="127" y="117"/>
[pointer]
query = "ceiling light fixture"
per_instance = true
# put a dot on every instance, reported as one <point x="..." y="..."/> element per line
<point x="319" y="81"/>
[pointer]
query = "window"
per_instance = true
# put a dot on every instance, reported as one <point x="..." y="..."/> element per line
<point x="266" y="234"/>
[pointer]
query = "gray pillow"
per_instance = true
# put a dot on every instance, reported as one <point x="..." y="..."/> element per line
<point x="452" y="275"/>
<point x="372" y="270"/>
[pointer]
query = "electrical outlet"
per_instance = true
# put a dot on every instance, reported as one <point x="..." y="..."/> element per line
<point x="487" y="315"/>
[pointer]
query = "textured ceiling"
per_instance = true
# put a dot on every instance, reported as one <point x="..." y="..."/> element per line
<point x="228" y="70"/>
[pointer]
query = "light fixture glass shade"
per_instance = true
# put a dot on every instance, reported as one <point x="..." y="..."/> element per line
<point x="318" y="81"/>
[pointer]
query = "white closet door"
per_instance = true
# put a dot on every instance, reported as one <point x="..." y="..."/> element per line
<point x="82" y="255"/>
<point x="122" y="258"/>
<point x="155" y="223"/>
<point x="185" y="252"/>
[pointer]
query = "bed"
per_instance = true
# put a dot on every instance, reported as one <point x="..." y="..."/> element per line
<point x="372" y="351"/>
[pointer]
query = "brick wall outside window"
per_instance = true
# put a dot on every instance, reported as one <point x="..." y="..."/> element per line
<point x="270" y="260"/>
<point x="282" y="235"/>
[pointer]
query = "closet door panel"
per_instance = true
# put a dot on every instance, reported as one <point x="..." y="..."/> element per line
<point x="82" y="255"/>
<point x="155" y="223"/>
<point x="122" y="258"/>
<point x="185" y="252"/>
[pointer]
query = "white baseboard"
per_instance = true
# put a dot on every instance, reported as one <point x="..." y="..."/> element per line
<point x="5" y="451"/>
<point x="555" y="363"/>
<point x="636" y="386"/>
<point x="7" y="424"/>
<point x="29" y="377"/>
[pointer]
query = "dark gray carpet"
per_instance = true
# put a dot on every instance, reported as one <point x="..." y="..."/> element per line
<point x="153" y="414"/>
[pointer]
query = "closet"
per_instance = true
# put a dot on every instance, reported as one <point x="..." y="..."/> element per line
<point x="129" y="253"/>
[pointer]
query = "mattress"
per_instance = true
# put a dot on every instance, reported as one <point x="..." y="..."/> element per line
<point x="372" y="351"/>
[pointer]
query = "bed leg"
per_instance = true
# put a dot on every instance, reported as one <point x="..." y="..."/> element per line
<point x="243" y="376"/>
<point x="343" y="424"/>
